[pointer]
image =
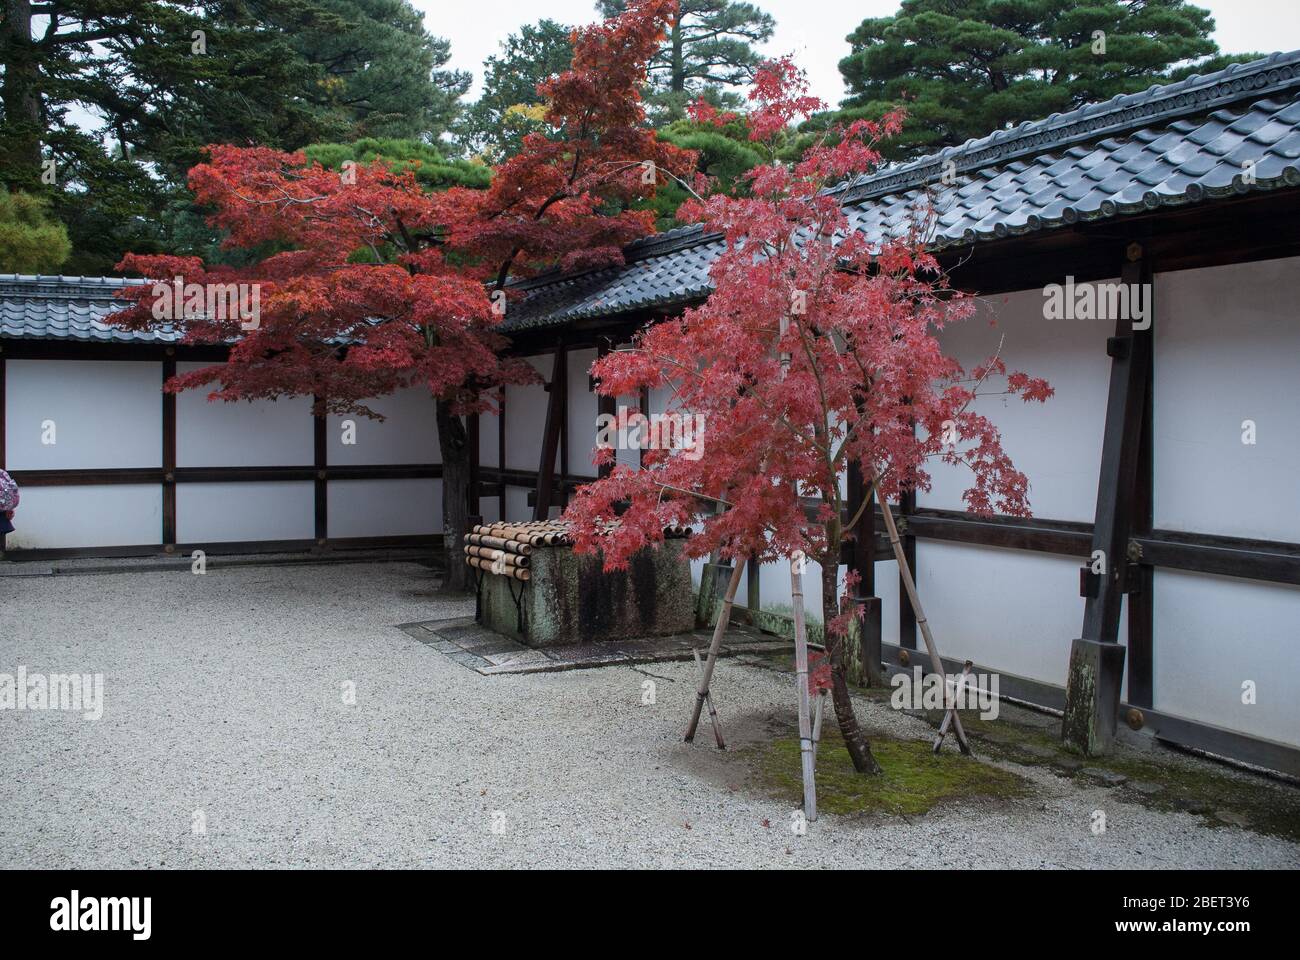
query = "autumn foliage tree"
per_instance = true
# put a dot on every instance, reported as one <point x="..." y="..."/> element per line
<point x="817" y="349"/>
<point x="368" y="284"/>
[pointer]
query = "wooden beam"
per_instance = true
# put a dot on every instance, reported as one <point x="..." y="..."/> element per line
<point x="864" y="563"/>
<point x="1142" y="580"/>
<point x="1269" y="561"/>
<point x="906" y="613"/>
<point x="156" y="475"/>
<point x="551" y="435"/>
<point x="169" y="456"/>
<point x="472" y="427"/>
<point x="643" y="401"/>
<point x="1182" y="732"/>
<point x="606" y="406"/>
<point x="501" y="454"/>
<point x="1041" y="536"/>
<point x="320" y="485"/>
<point x="1096" y="658"/>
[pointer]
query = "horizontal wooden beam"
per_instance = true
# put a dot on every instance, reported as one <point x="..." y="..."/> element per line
<point x="1180" y="731"/>
<point x="150" y="475"/>
<point x="230" y="548"/>
<point x="1042" y="536"/>
<point x="1266" y="560"/>
<point x="1271" y="561"/>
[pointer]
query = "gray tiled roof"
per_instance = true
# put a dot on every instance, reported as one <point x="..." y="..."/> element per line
<point x="1170" y="145"/>
<point x="67" y="308"/>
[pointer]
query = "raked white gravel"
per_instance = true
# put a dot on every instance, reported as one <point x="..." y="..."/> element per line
<point x="225" y="708"/>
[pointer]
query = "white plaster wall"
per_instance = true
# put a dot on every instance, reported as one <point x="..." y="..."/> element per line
<point x="384" y="508"/>
<point x="490" y="509"/>
<point x="1227" y="350"/>
<point x="227" y="512"/>
<point x="258" y="434"/>
<point x="114" y="515"/>
<point x="107" y="414"/>
<point x="517" y="507"/>
<point x="526" y="419"/>
<point x="1057" y="444"/>
<point x="1008" y="610"/>
<point x="489" y="426"/>
<point x="407" y="434"/>
<point x="1214" y="633"/>
<point x="583" y="408"/>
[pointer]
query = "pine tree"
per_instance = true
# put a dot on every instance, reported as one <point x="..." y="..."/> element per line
<point x="708" y="52"/>
<point x="510" y="107"/>
<point x="968" y="67"/>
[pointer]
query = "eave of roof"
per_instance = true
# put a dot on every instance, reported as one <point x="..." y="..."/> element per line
<point x="1174" y="144"/>
<point x="69" y="308"/>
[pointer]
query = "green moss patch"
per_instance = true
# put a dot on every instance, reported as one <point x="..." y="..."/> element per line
<point x="1161" y="780"/>
<point x="914" y="779"/>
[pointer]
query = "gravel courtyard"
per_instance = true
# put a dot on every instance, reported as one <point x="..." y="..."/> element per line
<point x="225" y="706"/>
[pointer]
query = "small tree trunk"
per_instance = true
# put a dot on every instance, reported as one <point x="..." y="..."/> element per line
<point x="854" y="739"/>
<point x="453" y="442"/>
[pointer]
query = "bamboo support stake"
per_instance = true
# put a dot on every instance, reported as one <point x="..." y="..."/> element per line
<point x="801" y="676"/>
<point x="947" y="717"/>
<point x="817" y="721"/>
<point x="713" y="711"/>
<point x="724" y="617"/>
<point x="910" y="584"/>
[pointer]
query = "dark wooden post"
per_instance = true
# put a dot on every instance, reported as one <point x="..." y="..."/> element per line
<point x="1096" y="667"/>
<point x="320" y="462"/>
<point x="864" y="563"/>
<point x="551" y="437"/>
<point x="644" y="402"/>
<point x="605" y="406"/>
<point x="1142" y="580"/>
<point x="169" y="455"/>
<point x="501" y="456"/>
<point x="906" y="614"/>
<point x="472" y="427"/>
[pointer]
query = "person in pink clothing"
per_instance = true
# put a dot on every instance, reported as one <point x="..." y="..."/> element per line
<point x="8" y="502"/>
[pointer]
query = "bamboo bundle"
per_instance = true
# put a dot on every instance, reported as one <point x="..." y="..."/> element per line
<point x="498" y="543"/>
<point x="509" y="559"/>
<point x="550" y="533"/>
<point x="518" y="573"/>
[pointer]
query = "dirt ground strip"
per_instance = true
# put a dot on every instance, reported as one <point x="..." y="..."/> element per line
<point x="277" y="716"/>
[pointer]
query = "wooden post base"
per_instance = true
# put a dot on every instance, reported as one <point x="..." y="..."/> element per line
<point x="1092" y="696"/>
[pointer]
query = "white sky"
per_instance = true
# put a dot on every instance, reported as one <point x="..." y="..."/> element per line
<point x="814" y="30"/>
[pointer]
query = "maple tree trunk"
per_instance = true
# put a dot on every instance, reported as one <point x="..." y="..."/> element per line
<point x="854" y="739"/>
<point x="453" y="441"/>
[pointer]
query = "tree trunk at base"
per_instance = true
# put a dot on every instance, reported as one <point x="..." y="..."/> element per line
<point x="453" y="442"/>
<point x="854" y="739"/>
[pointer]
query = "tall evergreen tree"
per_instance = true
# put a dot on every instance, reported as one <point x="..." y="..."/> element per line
<point x="968" y="67"/>
<point x="106" y="103"/>
<point x="708" y="51"/>
<point x="510" y="107"/>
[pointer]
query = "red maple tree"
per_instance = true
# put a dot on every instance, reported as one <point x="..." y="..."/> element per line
<point x="374" y="285"/>
<point x="817" y="349"/>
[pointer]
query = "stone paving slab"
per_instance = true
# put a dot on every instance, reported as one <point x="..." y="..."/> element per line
<point x="465" y="642"/>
